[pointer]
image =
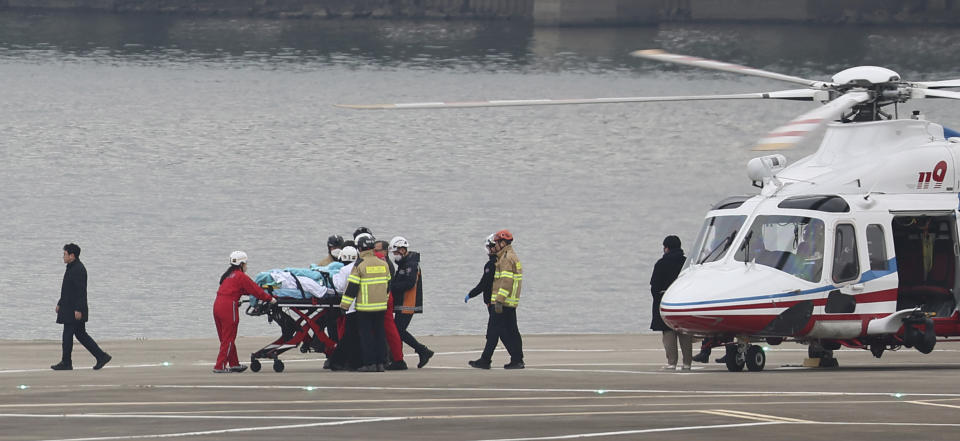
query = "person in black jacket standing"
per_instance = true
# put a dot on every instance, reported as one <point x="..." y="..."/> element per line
<point x="72" y="311"/>
<point x="665" y="272"/>
<point x="407" y="288"/>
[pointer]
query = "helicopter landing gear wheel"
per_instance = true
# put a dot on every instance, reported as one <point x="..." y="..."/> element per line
<point x="928" y="339"/>
<point x="255" y="365"/>
<point x="756" y="358"/>
<point x="818" y="351"/>
<point x="734" y="358"/>
<point x="277" y="365"/>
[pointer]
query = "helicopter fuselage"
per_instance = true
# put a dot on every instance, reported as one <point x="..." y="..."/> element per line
<point x="834" y="245"/>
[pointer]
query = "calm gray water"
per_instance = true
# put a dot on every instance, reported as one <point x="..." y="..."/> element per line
<point x="161" y="144"/>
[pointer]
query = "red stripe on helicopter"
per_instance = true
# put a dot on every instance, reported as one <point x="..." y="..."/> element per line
<point x="889" y="295"/>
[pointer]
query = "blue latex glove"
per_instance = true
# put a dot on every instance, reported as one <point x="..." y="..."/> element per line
<point x="466" y="299"/>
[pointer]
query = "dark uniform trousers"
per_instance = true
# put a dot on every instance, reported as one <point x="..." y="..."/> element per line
<point x="373" y="339"/>
<point x="78" y="329"/>
<point x="403" y="321"/>
<point x="503" y="327"/>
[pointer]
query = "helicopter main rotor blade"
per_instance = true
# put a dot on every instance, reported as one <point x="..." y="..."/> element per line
<point x="916" y="92"/>
<point x="795" y="131"/>
<point x="660" y="55"/>
<point x="938" y="84"/>
<point x="795" y="94"/>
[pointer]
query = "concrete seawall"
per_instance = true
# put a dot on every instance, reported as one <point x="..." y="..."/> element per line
<point x="542" y="12"/>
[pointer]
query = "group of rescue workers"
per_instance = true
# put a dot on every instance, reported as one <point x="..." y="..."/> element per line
<point x="380" y="290"/>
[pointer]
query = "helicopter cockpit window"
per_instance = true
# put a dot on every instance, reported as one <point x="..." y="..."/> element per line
<point x="715" y="238"/>
<point x="846" y="263"/>
<point x="792" y="244"/>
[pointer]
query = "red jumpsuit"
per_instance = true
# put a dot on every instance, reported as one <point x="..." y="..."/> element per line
<point x="226" y="316"/>
<point x="389" y="326"/>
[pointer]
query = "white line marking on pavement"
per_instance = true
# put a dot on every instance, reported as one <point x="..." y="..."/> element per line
<point x="927" y="403"/>
<point x="604" y="391"/>
<point x="753" y="416"/>
<point x="235" y="430"/>
<point x="160" y="415"/>
<point x="635" y="432"/>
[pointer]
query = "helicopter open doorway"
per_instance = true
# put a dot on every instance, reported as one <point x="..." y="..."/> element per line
<point x="926" y="247"/>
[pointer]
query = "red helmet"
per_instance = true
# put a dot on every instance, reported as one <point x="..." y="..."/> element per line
<point x="503" y="235"/>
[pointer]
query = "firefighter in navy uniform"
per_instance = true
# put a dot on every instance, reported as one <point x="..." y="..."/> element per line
<point x="367" y="286"/>
<point x="505" y="298"/>
<point x="407" y="286"/>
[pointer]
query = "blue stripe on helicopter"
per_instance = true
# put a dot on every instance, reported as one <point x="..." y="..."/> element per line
<point x="865" y="277"/>
<point x="950" y="133"/>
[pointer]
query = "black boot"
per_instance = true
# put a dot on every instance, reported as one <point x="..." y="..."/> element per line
<point x="62" y="366"/>
<point x="703" y="356"/>
<point x="425" y="355"/>
<point x="479" y="364"/>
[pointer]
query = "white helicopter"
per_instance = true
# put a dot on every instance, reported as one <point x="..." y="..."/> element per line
<point x="856" y="245"/>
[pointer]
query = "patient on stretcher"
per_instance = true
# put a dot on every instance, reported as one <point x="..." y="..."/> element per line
<point x="299" y="283"/>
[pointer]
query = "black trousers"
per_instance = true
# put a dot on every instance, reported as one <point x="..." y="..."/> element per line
<point x="347" y="353"/>
<point x="503" y="327"/>
<point x="78" y="329"/>
<point x="373" y="339"/>
<point x="403" y="321"/>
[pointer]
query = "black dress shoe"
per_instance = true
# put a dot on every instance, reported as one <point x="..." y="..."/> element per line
<point x="238" y="368"/>
<point x="721" y="359"/>
<point x="424" y="357"/>
<point x="102" y="361"/>
<point x="479" y="364"/>
<point x="397" y="366"/>
<point x="61" y="366"/>
<point x="514" y="365"/>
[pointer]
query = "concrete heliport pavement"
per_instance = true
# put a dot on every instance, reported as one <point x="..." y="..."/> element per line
<point x="608" y="387"/>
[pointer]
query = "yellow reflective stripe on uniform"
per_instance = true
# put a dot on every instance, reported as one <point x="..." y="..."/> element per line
<point x="346" y="299"/>
<point x="353" y="278"/>
<point x="373" y="280"/>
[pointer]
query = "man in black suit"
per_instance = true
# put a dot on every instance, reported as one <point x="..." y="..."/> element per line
<point x="72" y="311"/>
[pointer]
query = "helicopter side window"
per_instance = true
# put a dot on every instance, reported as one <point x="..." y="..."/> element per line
<point x="792" y="244"/>
<point x="846" y="264"/>
<point x="877" y="248"/>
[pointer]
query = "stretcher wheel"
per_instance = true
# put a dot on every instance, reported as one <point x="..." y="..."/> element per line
<point x="277" y="365"/>
<point x="254" y="365"/>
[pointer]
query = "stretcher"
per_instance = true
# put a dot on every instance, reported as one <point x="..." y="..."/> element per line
<point x="303" y="320"/>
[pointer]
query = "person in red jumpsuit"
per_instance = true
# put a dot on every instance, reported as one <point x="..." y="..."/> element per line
<point x="234" y="283"/>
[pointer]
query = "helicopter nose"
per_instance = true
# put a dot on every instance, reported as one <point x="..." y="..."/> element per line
<point x="739" y="299"/>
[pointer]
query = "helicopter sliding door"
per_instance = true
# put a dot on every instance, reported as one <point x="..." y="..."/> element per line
<point x="926" y="247"/>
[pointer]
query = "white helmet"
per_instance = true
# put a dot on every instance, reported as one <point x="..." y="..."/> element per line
<point x="348" y="254"/>
<point x="398" y="242"/>
<point x="238" y="257"/>
<point x="336" y="253"/>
